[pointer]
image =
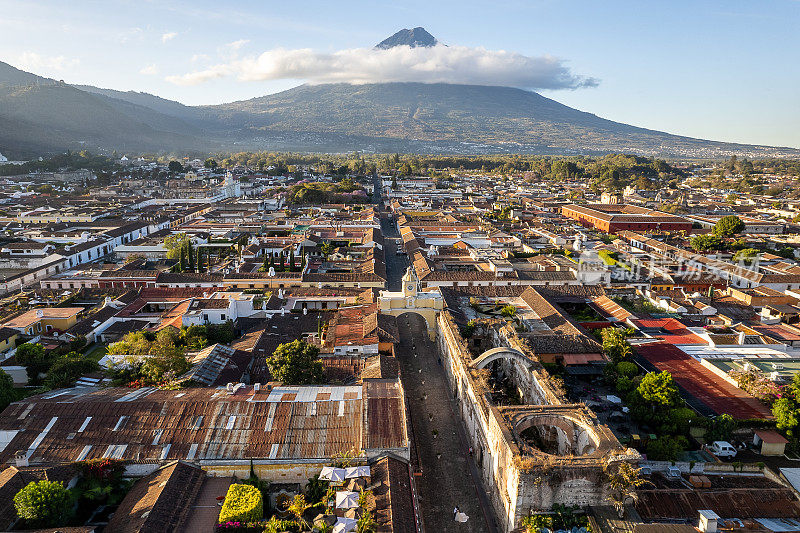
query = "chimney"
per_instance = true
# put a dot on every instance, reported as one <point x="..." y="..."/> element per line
<point x="21" y="458"/>
<point x="708" y="521"/>
<point x="39" y="313"/>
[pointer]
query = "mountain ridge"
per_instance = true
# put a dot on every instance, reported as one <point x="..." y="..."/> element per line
<point x="42" y="115"/>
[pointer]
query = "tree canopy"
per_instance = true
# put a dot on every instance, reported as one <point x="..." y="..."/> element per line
<point x="43" y="503"/>
<point x="296" y="363"/>
<point x="659" y="390"/>
<point x="705" y="243"/>
<point x="614" y="344"/>
<point x="728" y="226"/>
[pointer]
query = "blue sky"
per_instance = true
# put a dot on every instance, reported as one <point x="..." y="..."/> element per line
<point x="726" y="70"/>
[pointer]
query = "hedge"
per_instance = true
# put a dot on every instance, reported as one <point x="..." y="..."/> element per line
<point x="243" y="503"/>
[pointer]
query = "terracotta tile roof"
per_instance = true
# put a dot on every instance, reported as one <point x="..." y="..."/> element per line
<point x="772" y="502"/>
<point x="612" y="308"/>
<point x="159" y="502"/>
<point x="394" y="504"/>
<point x="12" y="479"/>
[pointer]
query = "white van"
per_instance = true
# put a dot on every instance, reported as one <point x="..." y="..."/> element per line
<point x="722" y="449"/>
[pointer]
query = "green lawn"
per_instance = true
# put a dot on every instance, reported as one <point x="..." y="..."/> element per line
<point x="96" y="352"/>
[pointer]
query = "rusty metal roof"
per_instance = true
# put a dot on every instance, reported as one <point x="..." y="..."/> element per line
<point x="150" y="425"/>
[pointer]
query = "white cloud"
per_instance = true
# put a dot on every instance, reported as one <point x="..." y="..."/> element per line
<point x="32" y="61"/>
<point x="438" y="64"/>
<point x="168" y="36"/>
<point x="236" y="45"/>
<point x="149" y="70"/>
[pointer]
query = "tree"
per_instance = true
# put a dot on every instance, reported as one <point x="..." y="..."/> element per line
<point x="67" y="369"/>
<point x="615" y="346"/>
<point x="622" y="483"/>
<point x="158" y="368"/>
<point x="705" y="243"/>
<point x="316" y="489"/>
<point x="195" y="337"/>
<point x="786" y="414"/>
<point x="133" y="343"/>
<point x="223" y="333"/>
<point x="175" y="166"/>
<point x="34" y="359"/>
<point x="7" y="394"/>
<point x="43" y="503"/>
<point x="176" y="245"/>
<point x="727" y="226"/>
<point x="747" y="255"/>
<point x="722" y="427"/>
<point x="296" y="363"/>
<point x="210" y="163"/>
<point x="190" y="256"/>
<point x="666" y="448"/>
<point x="298" y="507"/>
<point x="658" y="393"/>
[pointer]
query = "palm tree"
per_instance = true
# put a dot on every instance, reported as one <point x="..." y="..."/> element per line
<point x="623" y="482"/>
<point x="298" y="507"/>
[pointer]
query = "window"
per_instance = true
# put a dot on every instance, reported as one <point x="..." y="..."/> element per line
<point x="222" y="316"/>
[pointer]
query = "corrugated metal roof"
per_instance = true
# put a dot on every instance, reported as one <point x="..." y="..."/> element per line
<point x="284" y="423"/>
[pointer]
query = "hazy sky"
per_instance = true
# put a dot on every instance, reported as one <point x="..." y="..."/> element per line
<point x="725" y="70"/>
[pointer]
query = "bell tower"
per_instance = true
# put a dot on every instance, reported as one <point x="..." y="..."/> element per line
<point x="410" y="283"/>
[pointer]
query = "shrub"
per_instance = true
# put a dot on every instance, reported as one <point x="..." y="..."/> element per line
<point x="627" y="369"/>
<point x="243" y="503"/>
<point x="508" y="310"/>
<point x="43" y="503"/>
<point x="537" y="522"/>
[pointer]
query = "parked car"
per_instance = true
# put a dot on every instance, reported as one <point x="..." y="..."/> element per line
<point x="722" y="449"/>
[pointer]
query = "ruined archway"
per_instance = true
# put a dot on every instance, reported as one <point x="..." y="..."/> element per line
<point x="500" y="353"/>
<point x="557" y="434"/>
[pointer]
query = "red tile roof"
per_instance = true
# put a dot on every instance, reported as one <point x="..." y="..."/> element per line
<point x="716" y="393"/>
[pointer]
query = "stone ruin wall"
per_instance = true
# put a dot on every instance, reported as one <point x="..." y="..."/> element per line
<point x="518" y="483"/>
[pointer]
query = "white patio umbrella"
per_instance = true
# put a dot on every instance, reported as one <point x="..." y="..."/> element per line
<point x="330" y="473"/>
<point x="346" y="499"/>
<point x="344" y="525"/>
<point x="356" y="471"/>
